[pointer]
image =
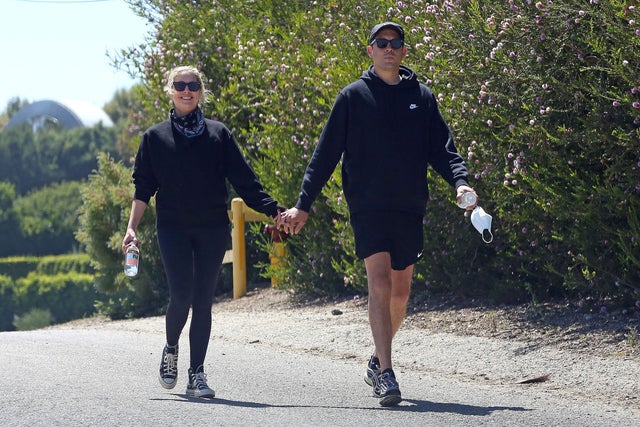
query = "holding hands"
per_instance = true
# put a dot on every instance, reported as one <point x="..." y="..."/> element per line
<point x="292" y="220"/>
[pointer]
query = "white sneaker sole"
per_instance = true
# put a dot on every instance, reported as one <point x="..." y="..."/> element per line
<point x="210" y="394"/>
<point x="167" y="385"/>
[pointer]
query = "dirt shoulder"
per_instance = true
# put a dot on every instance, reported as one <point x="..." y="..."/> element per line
<point x="551" y="325"/>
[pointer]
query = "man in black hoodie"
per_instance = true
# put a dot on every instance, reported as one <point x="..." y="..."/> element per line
<point x="387" y="129"/>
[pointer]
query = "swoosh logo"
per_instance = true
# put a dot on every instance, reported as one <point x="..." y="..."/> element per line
<point x="413" y="107"/>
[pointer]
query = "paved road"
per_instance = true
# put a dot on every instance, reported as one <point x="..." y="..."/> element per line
<point x="107" y="377"/>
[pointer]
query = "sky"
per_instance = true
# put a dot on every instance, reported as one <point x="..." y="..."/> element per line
<point x="57" y="49"/>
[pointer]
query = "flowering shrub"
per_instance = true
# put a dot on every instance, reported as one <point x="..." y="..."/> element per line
<point x="543" y="99"/>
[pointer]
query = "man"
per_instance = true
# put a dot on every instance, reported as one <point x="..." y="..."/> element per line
<point x="387" y="128"/>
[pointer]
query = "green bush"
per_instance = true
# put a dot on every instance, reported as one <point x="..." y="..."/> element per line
<point x="56" y="264"/>
<point x="67" y="296"/>
<point x="37" y="274"/>
<point x="18" y="266"/>
<point x="36" y="318"/>
<point x="7" y="304"/>
<point x="48" y="217"/>
<point x="103" y="219"/>
<point x="542" y="98"/>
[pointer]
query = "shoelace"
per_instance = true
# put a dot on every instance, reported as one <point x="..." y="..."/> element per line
<point x="170" y="367"/>
<point x="386" y="381"/>
<point x="201" y="381"/>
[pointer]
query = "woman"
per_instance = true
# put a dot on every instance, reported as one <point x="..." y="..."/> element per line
<point x="185" y="161"/>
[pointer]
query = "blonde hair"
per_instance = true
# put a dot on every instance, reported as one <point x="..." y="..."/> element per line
<point x="186" y="69"/>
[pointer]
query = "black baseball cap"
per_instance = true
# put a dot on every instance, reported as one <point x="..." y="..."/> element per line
<point x="396" y="27"/>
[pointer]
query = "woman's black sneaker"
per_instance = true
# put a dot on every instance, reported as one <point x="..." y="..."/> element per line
<point x="197" y="386"/>
<point x="169" y="367"/>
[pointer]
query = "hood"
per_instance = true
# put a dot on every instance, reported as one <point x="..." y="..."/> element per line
<point x="408" y="76"/>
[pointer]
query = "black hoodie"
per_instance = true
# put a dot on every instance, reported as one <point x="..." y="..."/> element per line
<point x="189" y="175"/>
<point x="387" y="135"/>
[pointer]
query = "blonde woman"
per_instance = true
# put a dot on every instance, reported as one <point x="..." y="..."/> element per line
<point x="185" y="162"/>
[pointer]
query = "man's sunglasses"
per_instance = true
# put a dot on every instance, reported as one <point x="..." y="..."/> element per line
<point x="193" y="86"/>
<point x="382" y="43"/>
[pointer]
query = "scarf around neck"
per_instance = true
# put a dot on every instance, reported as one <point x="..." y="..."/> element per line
<point x="190" y="125"/>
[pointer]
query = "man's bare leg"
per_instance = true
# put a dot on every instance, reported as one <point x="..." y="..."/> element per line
<point x="388" y="297"/>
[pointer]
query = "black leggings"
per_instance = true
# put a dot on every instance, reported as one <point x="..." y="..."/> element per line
<point x="192" y="258"/>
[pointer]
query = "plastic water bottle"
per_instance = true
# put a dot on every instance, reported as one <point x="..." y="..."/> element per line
<point x="467" y="199"/>
<point x="131" y="260"/>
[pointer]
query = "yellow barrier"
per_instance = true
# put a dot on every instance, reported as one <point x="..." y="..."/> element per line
<point x="239" y="214"/>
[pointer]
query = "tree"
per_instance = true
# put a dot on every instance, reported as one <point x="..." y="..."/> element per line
<point x="48" y="218"/>
<point x="41" y="174"/>
<point x="32" y="160"/>
<point x="13" y="106"/>
<point x="103" y="218"/>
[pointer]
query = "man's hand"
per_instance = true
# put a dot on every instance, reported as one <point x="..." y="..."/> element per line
<point x="464" y="189"/>
<point x="292" y="220"/>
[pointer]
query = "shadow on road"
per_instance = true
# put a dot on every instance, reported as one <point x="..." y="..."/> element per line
<point x="453" y="408"/>
<point x="407" y="405"/>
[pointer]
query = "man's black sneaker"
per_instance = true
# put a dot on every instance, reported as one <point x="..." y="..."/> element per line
<point x="197" y="386"/>
<point x="386" y="388"/>
<point x="169" y="367"/>
<point x="373" y="369"/>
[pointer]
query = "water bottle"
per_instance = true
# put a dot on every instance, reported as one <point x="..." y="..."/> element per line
<point x="467" y="199"/>
<point x="131" y="260"/>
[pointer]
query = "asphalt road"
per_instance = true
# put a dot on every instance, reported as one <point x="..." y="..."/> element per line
<point x="107" y="377"/>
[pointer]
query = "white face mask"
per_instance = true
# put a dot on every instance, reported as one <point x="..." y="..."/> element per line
<point x="482" y="222"/>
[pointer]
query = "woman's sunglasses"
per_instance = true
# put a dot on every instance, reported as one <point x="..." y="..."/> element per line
<point x="382" y="43"/>
<point x="193" y="86"/>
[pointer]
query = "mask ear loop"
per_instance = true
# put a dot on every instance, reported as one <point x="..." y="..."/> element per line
<point x="487" y="237"/>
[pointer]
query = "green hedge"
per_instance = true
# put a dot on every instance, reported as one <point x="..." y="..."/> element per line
<point x="16" y="267"/>
<point x="68" y="296"/>
<point x="62" y="284"/>
<point x="7" y="303"/>
<point x="56" y="264"/>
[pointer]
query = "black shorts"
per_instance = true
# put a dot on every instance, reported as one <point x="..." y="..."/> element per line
<point x="398" y="233"/>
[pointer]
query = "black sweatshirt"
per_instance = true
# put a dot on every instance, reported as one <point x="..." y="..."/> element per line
<point x="387" y="135"/>
<point x="188" y="175"/>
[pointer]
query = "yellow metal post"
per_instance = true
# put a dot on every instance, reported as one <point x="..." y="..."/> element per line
<point x="278" y="252"/>
<point x="241" y="213"/>
<point x="238" y="245"/>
